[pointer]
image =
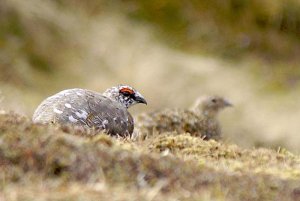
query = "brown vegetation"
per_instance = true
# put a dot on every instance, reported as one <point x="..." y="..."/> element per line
<point x="50" y="45"/>
<point x="42" y="162"/>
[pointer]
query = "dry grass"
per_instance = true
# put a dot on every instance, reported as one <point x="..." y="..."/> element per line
<point x="46" y="46"/>
<point x="53" y="45"/>
<point x="45" y="163"/>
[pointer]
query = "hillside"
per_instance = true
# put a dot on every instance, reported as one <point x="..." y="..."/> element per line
<point x="53" y="45"/>
<point x="59" y="163"/>
<point x="173" y="52"/>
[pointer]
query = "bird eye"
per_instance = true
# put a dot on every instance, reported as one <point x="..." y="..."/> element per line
<point x="126" y="93"/>
<point x="214" y="100"/>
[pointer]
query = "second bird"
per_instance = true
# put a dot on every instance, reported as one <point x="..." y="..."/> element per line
<point x="201" y="120"/>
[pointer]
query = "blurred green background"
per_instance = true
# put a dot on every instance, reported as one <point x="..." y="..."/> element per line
<point x="172" y="51"/>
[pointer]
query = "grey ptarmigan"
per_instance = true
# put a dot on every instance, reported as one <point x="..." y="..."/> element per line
<point x="90" y="109"/>
<point x="201" y="120"/>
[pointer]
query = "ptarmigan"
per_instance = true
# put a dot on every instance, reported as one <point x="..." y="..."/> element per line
<point x="201" y="120"/>
<point x="86" y="108"/>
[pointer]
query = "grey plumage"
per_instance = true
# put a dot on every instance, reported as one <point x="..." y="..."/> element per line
<point x="91" y="109"/>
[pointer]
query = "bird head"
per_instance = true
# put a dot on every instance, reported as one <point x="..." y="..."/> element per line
<point x="210" y="105"/>
<point x="126" y="95"/>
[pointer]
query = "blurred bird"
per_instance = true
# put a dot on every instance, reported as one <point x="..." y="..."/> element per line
<point x="201" y="120"/>
<point x="102" y="112"/>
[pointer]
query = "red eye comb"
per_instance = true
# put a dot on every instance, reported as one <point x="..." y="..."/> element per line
<point x="127" y="90"/>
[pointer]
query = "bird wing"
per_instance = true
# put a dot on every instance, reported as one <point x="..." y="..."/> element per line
<point x="106" y="114"/>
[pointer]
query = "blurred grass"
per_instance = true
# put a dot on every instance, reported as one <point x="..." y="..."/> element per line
<point x="16" y="41"/>
<point x="232" y="29"/>
<point x="47" y="46"/>
<point x="32" y="44"/>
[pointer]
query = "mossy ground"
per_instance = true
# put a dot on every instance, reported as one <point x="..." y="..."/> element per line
<point x="40" y="162"/>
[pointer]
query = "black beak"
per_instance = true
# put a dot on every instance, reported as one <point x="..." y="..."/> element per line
<point x="140" y="99"/>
